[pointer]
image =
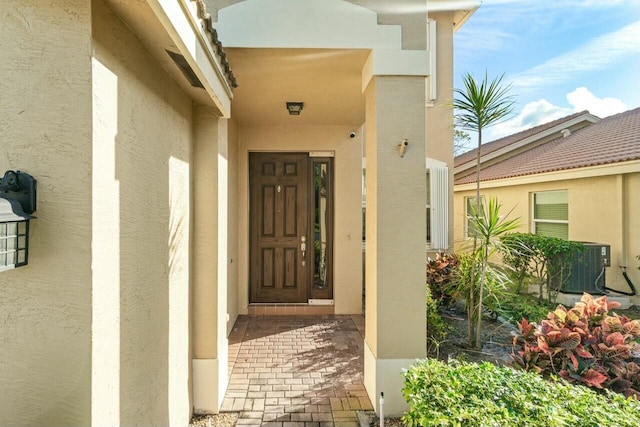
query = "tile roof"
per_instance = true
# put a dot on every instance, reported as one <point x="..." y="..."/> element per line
<point x="489" y="147"/>
<point x="612" y="140"/>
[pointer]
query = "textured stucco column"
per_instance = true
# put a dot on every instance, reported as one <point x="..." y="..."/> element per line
<point x="210" y="346"/>
<point x="396" y="233"/>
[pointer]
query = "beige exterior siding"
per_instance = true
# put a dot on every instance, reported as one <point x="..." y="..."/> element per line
<point x="632" y="228"/>
<point x="45" y="128"/>
<point x="602" y="209"/>
<point x="97" y="325"/>
<point x="440" y="116"/>
<point x="150" y="150"/>
<point x="234" y="200"/>
<point x="395" y="231"/>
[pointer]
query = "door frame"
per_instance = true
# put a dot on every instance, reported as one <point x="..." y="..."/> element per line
<point x="312" y="157"/>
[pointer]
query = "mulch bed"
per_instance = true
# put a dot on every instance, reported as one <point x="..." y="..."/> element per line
<point x="496" y="335"/>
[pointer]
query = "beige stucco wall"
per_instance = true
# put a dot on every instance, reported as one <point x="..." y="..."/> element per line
<point x="602" y="209"/>
<point x="440" y="113"/>
<point x="632" y="233"/>
<point x="232" y="249"/>
<point x="395" y="233"/>
<point x="348" y="203"/>
<point x="45" y="130"/>
<point x="141" y="186"/>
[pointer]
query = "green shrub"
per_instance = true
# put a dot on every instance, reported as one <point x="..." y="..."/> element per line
<point x="441" y="272"/>
<point x="516" y="307"/>
<point x="436" y="327"/>
<point x="460" y="394"/>
<point x="466" y="288"/>
<point x="517" y="252"/>
<point x="548" y="259"/>
<point x="584" y="344"/>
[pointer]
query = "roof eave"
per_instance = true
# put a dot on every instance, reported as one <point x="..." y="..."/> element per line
<point x="460" y="17"/>
<point x="525" y="141"/>
<point x="564" y="174"/>
<point x="462" y="9"/>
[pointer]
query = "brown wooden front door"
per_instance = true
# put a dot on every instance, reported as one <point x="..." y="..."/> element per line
<point x="278" y="227"/>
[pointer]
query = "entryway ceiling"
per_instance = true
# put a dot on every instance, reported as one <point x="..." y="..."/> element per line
<point x="328" y="81"/>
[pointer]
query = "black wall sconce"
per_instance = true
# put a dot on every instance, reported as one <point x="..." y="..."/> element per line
<point x="17" y="203"/>
<point x="295" y="108"/>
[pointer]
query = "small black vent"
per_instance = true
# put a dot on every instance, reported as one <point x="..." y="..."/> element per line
<point x="186" y="69"/>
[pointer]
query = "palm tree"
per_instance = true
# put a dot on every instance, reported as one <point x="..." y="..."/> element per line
<point x="490" y="226"/>
<point x="480" y="105"/>
<point x="477" y="106"/>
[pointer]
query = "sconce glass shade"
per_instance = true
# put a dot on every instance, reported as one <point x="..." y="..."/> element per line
<point x="14" y="235"/>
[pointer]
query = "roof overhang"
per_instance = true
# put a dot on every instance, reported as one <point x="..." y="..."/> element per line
<point x="462" y="9"/>
<point x="175" y="26"/>
<point x="632" y="166"/>
<point x="320" y="52"/>
<point x="526" y="141"/>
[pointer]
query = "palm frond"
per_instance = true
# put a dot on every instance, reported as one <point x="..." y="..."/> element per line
<point x="482" y="104"/>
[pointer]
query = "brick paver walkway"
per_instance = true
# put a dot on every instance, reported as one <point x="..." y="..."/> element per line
<point x="297" y="371"/>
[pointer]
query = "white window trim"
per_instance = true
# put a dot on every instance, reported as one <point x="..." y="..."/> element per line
<point x="532" y="207"/>
<point x="466" y="213"/>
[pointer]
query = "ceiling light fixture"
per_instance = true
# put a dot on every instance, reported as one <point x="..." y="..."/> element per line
<point x="294" y="108"/>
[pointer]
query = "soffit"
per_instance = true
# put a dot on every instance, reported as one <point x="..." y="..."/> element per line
<point x="162" y="31"/>
<point x="328" y="81"/>
<point x="461" y="9"/>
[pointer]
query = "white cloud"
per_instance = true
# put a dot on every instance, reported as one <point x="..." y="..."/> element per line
<point x="542" y="111"/>
<point x="533" y="114"/>
<point x="594" y="55"/>
<point x="582" y="99"/>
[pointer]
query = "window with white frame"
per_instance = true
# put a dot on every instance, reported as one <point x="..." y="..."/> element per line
<point x="551" y="214"/>
<point x="470" y="207"/>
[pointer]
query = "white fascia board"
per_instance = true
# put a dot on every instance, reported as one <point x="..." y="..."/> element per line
<point x="386" y="62"/>
<point x="535" y="137"/>
<point x="185" y="29"/>
<point x="462" y="9"/>
<point x="314" y="24"/>
<point x="452" y="5"/>
<point x="632" y="166"/>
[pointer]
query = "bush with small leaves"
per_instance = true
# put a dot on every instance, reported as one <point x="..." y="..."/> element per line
<point x="459" y="394"/>
<point x="436" y="327"/>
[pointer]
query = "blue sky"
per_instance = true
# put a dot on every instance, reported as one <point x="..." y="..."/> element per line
<point x="560" y="56"/>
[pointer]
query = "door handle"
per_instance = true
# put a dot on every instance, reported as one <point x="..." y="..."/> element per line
<point x="303" y="248"/>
